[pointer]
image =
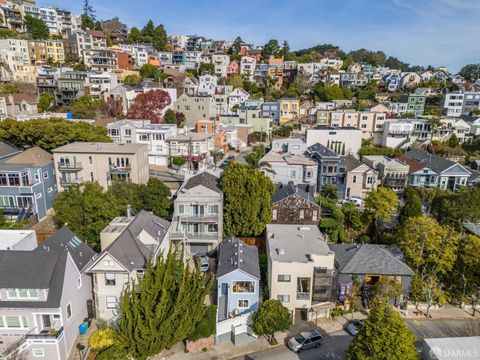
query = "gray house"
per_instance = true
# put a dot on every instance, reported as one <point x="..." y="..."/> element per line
<point x="198" y="214"/>
<point x="45" y="297"/>
<point x="27" y="182"/>
<point x="368" y="263"/>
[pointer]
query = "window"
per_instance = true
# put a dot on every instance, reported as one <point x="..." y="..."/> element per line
<point x="303" y="288"/>
<point x="108" y="263"/>
<point x="274" y="214"/>
<point x="38" y="352"/>
<point x="212" y="228"/>
<point x="111" y="302"/>
<point x="128" y="132"/>
<point x="302" y="214"/>
<point x="243" y="286"/>
<point x="354" y="179"/>
<point x="293" y="174"/>
<point x="213" y="209"/>
<point x="13" y="322"/>
<point x="38" y="195"/>
<point x="45" y="175"/>
<point x="369" y="180"/>
<point x="50" y="189"/>
<point x="92" y="178"/>
<point x="110" y="279"/>
<point x="283" y="298"/>
<point x="125" y="278"/>
<point x="243" y="303"/>
<point x="284" y="278"/>
<point x="22" y="294"/>
<point x="314" y="215"/>
<point x="182" y="209"/>
<point x="90" y="160"/>
<point x="13" y="179"/>
<point x="79" y="282"/>
<point x="69" y="311"/>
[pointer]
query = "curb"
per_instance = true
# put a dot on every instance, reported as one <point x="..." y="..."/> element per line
<point x="443" y="318"/>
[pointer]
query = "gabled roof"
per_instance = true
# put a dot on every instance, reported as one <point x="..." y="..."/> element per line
<point x="351" y="163"/>
<point x="234" y="254"/>
<point x="66" y="240"/>
<point x="33" y="156"/>
<point x="321" y="150"/>
<point x="7" y="150"/>
<point x="283" y="191"/>
<point x="128" y="249"/>
<point x="32" y="270"/>
<point x="369" y="259"/>
<point x="206" y="179"/>
<point x="19" y="98"/>
<point x="413" y="165"/>
<point x="432" y="161"/>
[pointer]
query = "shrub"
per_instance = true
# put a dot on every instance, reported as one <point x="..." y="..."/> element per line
<point x="101" y="340"/>
<point x="206" y="326"/>
<point x="178" y="161"/>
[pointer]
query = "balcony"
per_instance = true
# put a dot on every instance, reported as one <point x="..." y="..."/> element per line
<point x="194" y="236"/>
<point x="303" y="296"/>
<point x="45" y="334"/>
<point x="200" y="218"/>
<point x="115" y="169"/>
<point x="70" y="166"/>
<point x="70" y="182"/>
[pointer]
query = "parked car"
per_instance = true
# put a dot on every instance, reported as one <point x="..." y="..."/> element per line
<point x="204" y="264"/>
<point x="353" y="326"/>
<point x="305" y="340"/>
<point x="356" y="200"/>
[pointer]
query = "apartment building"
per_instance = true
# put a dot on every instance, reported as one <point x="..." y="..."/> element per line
<point x="458" y="104"/>
<point x="198" y="214"/>
<point x="342" y="140"/>
<point x="221" y="63"/>
<point x="247" y="67"/>
<point x="80" y="162"/>
<point x="127" y="244"/>
<point x="300" y="269"/>
<point x="294" y="204"/>
<point x="100" y="59"/>
<point x="98" y="84"/>
<point x="289" y="109"/>
<point x="360" y="178"/>
<point x="391" y="173"/>
<point x="43" y="51"/>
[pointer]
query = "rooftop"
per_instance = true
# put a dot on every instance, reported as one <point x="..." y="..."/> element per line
<point x="234" y="254"/>
<point x="8" y="238"/>
<point x="283" y="191"/>
<point x="295" y="243"/>
<point x="206" y="179"/>
<point x="100" y="148"/>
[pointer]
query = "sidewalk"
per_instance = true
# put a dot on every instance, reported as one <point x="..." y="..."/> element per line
<point x="444" y="312"/>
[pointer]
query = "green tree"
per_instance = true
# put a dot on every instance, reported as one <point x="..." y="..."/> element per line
<point x="381" y="204"/>
<point x="270" y="318"/>
<point x="332" y="220"/>
<point x="134" y="35"/>
<point x="412" y="207"/>
<point x="321" y="92"/>
<point x="247" y="200"/>
<point x="453" y="141"/>
<point x="206" y="327"/>
<point x="455" y="209"/>
<point x="467" y="266"/>
<point x="271" y="49"/>
<point x="149" y="71"/>
<point x="36" y="27"/>
<point x="159" y="38"/>
<point x="470" y="72"/>
<point x="164" y="308"/>
<point x="384" y="336"/>
<point x="354" y="222"/>
<point x="387" y="288"/>
<point x="169" y="117"/>
<point x="236" y="80"/>
<point x="329" y="191"/>
<point x="354" y="296"/>
<point x="148" y="30"/>
<point x="285" y="49"/>
<point x="86" y="210"/>
<point x="206" y="68"/>
<point x="434" y="122"/>
<point x="45" y="102"/>
<point x="84" y="107"/>
<point x="237" y="45"/>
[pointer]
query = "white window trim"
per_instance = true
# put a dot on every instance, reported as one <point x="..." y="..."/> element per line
<point x="243" y="307"/>
<point x="38" y="356"/>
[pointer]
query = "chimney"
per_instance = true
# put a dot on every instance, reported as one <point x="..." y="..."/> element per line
<point x="129" y="211"/>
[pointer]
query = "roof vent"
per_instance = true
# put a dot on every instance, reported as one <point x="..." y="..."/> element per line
<point x="309" y="257"/>
<point x="281" y="251"/>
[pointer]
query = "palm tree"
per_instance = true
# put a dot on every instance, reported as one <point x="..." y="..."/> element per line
<point x="434" y="122"/>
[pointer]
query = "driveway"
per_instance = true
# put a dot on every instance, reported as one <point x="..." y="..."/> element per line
<point x="334" y="347"/>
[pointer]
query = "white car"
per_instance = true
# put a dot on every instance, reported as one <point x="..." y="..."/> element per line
<point x="204" y="264"/>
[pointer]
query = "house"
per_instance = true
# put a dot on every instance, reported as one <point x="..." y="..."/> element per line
<point x="412" y="103"/>
<point x="79" y="162"/>
<point x="342" y="140"/>
<point x="410" y="80"/>
<point x="289" y="109"/>
<point x="127" y="244"/>
<point x="293" y="146"/>
<point x="300" y="269"/>
<point x="13" y="105"/>
<point x="221" y="63"/>
<point x="360" y="178"/>
<point x="45" y="298"/>
<point x="247" y="67"/>
<point x="233" y="68"/>
<point x="330" y="167"/>
<point x="27" y="182"/>
<point x="18" y="239"/>
<point x="236" y="98"/>
<point x="285" y="168"/>
<point x="196" y="108"/>
<point x="294" y="204"/>
<point x="392" y="173"/>
<point x="252" y="115"/>
<point x="435" y="171"/>
<point x="368" y="263"/>
<point x="195" y="148"/>
<point x="271" y="110"/>
<point x="461" y="103"/>
<point x="238" y="294"/>
<point x="198" y="214"/>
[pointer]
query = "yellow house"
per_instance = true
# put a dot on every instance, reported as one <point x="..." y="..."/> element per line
<point x="42" y="50"/>
<point x="289" y="109"/>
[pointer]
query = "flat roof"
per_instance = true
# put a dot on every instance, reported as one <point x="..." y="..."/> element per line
<point x="293" y="243"/>
<point x="454" y="347"/>
<point x="100" y="148"/>
<point x="8" y="238"/>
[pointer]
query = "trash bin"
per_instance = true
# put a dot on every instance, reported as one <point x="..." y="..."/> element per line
<point x="82" y="329"/>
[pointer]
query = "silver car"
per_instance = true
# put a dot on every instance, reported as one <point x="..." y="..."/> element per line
<point x="353" y="327"/>
<point x="204" y="264"/>
<point x="305" y="340"/>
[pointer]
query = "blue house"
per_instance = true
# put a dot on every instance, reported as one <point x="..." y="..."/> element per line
<point x="238" y="285"/>
<point x="331" y="167"/>
<point x="27" y="182"/>
<point x="271" y="110"/>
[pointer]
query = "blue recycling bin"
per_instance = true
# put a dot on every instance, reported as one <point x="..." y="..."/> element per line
<point x="82" y="329"/>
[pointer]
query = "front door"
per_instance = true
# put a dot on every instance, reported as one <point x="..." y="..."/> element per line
<point x="47" y="323"/>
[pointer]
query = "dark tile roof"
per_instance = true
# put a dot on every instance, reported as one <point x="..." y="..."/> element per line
<point x="128" y="249"/>
<point x="351" y="163"/>
<point x="66" y="240"/>
<point x="33" y="270"/>
<point x="206" y="179"/>
<point x="7" y="150"/>
<point x="283" y="191"/>
<point x="413" y="165"/>
<point x="432" y="161"/>
<point x="234" y="254"/>
<point x="369" y="259"/>
<point x="321" y="150"/>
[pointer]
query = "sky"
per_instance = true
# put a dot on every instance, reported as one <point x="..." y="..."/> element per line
<point x="419" y="32"/>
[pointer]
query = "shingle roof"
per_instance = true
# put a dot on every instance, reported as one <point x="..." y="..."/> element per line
<point x="283" y="191"/>
<point x="413" y="165"/>
<point x="321" y="150"/>
<point x="66" y="240"/>
<point x="351" y="163"/>
<point x="234" y="254"/>
<point x="33" y="156"/>
<point x="369" y="259"/>
<point x="432" y="161"/>
<point x="206" y="179"/>
<point x="33" y="270"/>
<point x="7" y="150"/>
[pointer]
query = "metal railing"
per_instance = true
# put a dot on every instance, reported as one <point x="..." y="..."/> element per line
<point x="47" y="335"/>
<point x="303" y="296"/>
<point x="77" y="165"/>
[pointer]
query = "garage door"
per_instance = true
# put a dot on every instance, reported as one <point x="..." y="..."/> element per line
<point x="198" y="249"/>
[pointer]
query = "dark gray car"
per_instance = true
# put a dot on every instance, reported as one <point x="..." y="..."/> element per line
<point x="305" y="340"/>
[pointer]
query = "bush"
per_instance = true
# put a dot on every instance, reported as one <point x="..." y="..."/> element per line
<point x="101" y="340"/>
<point x="386" y="151"/>
<point x="206" y="326"/>
<point x="178" y="161"/>
<point x="113" y="353"/>
<point x="336" y="312"/>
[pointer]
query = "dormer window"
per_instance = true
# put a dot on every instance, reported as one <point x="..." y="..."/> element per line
<point x="22" y="294"/>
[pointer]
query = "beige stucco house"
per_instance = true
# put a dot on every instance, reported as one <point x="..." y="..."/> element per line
<point x="360" y="179"/>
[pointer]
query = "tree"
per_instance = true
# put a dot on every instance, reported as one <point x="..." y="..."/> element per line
<point x="134" y="35"/>
<point x="434" y="122"/>
<point x="164" y="307"/>
<point x="455" y="209"/>
<point x="150" y="106"/>
<point x="88" y="16"/>
<point x="159" y="38"/>
<point x="86" y="210"/>
<point x="470" y="72"/>
<point x="247" y="205"/>
<point x="285" y="49"/>
<point x="50" y="133"/>
<point x="132" y="80"/>
<point x="321" y="92"/>
<point x="384" y="336"/>
<point x="354" y="296"/>
<point x="386" y="288"/>
<point x="270" y="318"/>
<point x="236" y="80"/>
<point x="430" y="249"/>
<point x="453" y="141"/>
<point x="270" y="49"/>
<point x="237" y="45"/>
<point x="111" y="108"/>
<point x="148" y="30"/>
<point x="206" y="68"/>
<point x="381" y="203"/>
<point x="332" y="223"/>
<point x="413" y="206"/>
<point x="169" y="117"/>
<point x="156" y="197"/>
<point x="45" y="102"/>
<point x="149" y="71"/>
<point x="36" y="27"/>
<point x="206" y="327"/>
<point x="329" y="191"/>
<point x="84" y="107"/>
<point x="354" y="221"/>
<point x="467" y="266"/>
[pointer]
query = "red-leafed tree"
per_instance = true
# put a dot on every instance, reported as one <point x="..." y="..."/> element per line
<point x="149" y="106"/>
